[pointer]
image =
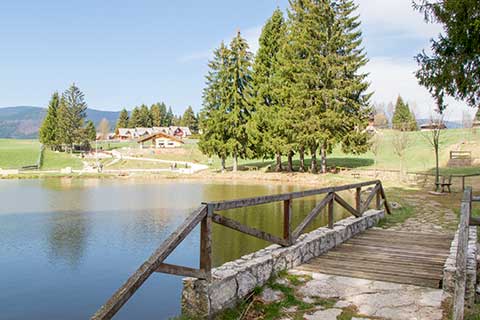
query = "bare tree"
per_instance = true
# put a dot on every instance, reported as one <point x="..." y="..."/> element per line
<point x="375" y="141"/>
<point x="400" y="144"/>
<point x="104" y="128"/>
<point x="433" y="137"/>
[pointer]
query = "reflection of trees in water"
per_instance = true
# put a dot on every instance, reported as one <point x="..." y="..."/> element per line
<point x="67" y="237"/>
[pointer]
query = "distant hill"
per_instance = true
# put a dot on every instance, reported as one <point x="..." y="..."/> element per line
<point x="23" y="122"/>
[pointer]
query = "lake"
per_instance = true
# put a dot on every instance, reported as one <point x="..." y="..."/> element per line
<point x="66" y="245"/>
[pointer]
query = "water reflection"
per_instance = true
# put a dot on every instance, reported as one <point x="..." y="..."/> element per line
<point x="67" y="244"/>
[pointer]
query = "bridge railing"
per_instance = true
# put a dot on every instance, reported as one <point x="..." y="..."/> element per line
<point x="206" y="214"/>
<point x="466" y="220"/>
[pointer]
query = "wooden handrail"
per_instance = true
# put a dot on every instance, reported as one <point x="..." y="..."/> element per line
<point x="205" y="215"/>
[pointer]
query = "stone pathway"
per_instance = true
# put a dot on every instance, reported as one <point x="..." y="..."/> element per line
<point x="430" y="215"/>
<point x="370" y="299"/>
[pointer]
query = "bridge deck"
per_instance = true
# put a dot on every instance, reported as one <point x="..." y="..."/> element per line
<point x="392" y="256"/>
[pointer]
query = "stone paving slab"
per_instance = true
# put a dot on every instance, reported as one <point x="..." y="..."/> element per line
<point x="372" y="299"/>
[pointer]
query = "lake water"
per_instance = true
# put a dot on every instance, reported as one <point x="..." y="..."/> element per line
<point x="67" y="244"/>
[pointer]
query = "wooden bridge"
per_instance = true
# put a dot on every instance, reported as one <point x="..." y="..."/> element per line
<point x="410" y="258"/>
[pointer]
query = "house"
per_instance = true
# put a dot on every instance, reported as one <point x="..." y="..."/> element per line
<point x="432" y="126"/>
<point x="160" y="140"/>
<point x="140" y="132"/>
<point x="125" y="134"/>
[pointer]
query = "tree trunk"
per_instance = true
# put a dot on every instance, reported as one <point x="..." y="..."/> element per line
<point x="313" y="164"/>
<point x="302" y="160"/>
<point x="437" y="170"/>
<point x="278" y="164"/>
<point x="223" y="164"/>
<point x="323" y="153"/>
<point x="235" y="162"/>
<point x="290" y="161"/>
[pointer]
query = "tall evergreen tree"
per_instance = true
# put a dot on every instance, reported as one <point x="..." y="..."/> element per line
<point x="269" y="136"/>
<point x="403" y="119"/>
<point x="213" y="116"/>
<point x="134" y="120"/>
<point x="48" y="130"/>
<point x="163" y="114"/>
<point x="169" y="117"/>
<point x="123" y="118"/>
<point x="65" y="134"/>
<point x="240" y="105"/>
<point x="145" y="119"/>
<point x="156" y="114"/>
<point x="189" y="119"/>
<point x="90" y="134"/>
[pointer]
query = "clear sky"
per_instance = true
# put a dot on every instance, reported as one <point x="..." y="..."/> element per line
<point x="124" y="53"/>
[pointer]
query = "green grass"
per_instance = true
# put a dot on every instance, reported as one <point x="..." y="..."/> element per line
<point x="398" y="216"/>
<point x="15" y="154"/>
<point x="133" y="164"/>
<point x="57" y="160"/>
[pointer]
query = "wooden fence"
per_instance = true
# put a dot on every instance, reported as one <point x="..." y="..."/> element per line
<point x="206" y="214"/>
<point x="466" y="220"/>
<point x="461" y="155"/>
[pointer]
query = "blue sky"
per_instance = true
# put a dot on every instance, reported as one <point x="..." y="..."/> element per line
<point x="124" y="53"/>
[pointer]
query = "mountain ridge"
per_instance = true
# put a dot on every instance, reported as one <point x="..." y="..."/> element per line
<point x="23" y="122"/>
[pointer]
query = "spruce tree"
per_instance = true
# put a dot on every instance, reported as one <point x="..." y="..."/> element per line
<point x="169" y="117"/>
<point x="48" y="130"/>
<point x="188" y="119"/>
<point x="213" y="116"/>
<point x="134" y="120"/>
<point x="163" y="114"/>
<point x="402" y="117"/>
<point x="144" y="117"/>
<point x="122" y="121"/>
<point x="269" y="134"/>
<point x="65" y="134"/>
<point x="156" y="114"/>
<point x="74" y="114"/>
<point x="240" y="107"/>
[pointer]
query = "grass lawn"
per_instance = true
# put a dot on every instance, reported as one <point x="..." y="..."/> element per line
<point x="15" y="154"/>
<point x="133" y="164"/>
<point x="57" y="160"/>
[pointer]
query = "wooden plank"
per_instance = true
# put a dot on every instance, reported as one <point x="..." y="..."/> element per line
<point x="345" y="204"/>
<point x="358" y="200"/>
<point x="318" y="208"/>
<point x="393" y="255"/>
<point x="391" y="258"/>
<point x="442" y="244"/>
<point x="376" y="268"/>
<point x="240" y="203"/>
<point x="382" y="265"/>
<point x="408" y="234"/>
<point x="386" y="204"/>
<point x="370" y="197"/>
<point x="413" y="248"/>
<point x="373" y="276"/>
<point x="206" y="243"/>
<point x="393" y="250"/>
<point x="121" y="296"/>
<point x="235" y="225"/>
<point x="181" y="271"/>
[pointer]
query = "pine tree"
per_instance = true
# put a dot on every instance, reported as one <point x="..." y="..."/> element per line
<point x="156" y="114"/>
<point x="65" y="134"/>
<point x="48" y="130"/>
<point x="240" y="107"/>
<point x="134" y="120"/>
<point x="213" y="116"/>
<point x="74" y="114"/>
<point x="90" y="134"/>
<point x="169" y="117"/>
<point x="144" y="117"/>
<point x="163" y="114"/>
<point x="122" y="121"/>
<point x="402" y="117"/>
<point x="269" y="133"/>
<point x="188" y="119"/>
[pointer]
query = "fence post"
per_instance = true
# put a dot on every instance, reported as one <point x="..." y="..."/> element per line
<point x="287" y="217"/>
<point x="378" y="199"/>
<point x="358" y="201"/>
<point x="463" y="183"/>
<point x="206" y="242"/>
<point x="330" y="212"/>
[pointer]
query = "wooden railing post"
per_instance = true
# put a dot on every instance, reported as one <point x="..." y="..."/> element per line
<point x="358" y="200"/>
<point x="463" y="183"/>
<point x="330" y="212"/>
<point x="206" y="243"/>
<point x="378" y="199"/>
<point x="287" y="217"/>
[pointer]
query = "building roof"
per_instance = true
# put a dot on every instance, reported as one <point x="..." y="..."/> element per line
<point x="125" y="131"/>
<point x="158" y="135"/>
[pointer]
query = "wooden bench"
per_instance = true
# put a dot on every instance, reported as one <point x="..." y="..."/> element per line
<point x="251" y="168"/>
<point x="356" y="175"/>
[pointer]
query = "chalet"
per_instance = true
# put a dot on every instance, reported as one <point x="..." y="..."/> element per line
<point x="160" y="140"/>
<point x="137" y="133"/>
<point x="125" y="133"/>
<point x="432" y="126"/>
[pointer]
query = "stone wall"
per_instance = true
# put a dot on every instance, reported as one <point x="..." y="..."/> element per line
<point x="449" y="270"/>
<point x="234" y="280"/>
